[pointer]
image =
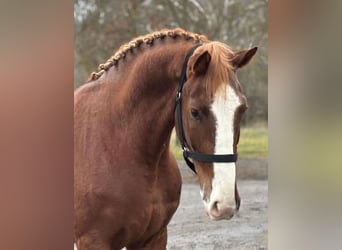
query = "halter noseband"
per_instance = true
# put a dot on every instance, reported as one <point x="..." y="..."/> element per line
<point x="186" y="152"/>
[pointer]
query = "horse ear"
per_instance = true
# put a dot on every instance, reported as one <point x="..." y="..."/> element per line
<point x="202" y="62"/>
<point x="243" y="57"/>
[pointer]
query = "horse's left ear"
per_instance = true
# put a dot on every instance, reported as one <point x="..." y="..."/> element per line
<point x="243" y="57"/>
<point x="201" y="63"/>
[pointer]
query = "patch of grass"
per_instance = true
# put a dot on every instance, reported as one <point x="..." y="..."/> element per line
<point x="175" y="146"/>
<point x="253" y="143"/>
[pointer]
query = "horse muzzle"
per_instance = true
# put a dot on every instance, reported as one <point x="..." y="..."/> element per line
<point x="221" y="211"/>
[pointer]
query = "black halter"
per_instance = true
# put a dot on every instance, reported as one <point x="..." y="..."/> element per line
<point x="186" y="153"/>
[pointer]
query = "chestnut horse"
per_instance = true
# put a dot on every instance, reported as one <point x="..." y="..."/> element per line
<point x="126" y="181"/>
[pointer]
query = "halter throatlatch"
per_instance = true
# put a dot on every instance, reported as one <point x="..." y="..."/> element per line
<point x="186" y="152"/>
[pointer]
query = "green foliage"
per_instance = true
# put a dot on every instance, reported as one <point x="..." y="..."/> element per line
<point x="175" y="146"/>
<point x="253" y="143"/>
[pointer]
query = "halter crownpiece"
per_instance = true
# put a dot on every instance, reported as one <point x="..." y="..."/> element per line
<point x="186" y="152"/>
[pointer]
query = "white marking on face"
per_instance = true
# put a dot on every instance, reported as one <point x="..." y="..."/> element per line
<point x="223" y="183"/>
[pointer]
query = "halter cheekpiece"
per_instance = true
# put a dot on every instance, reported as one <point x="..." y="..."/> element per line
<point x="186" y="152"/>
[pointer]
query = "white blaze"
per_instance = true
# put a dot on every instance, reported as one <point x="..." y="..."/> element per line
<point x="223" y="184"/>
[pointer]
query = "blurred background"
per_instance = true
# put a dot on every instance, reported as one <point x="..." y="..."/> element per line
<point x="102" y="26"/>
<point x="304" y="123"/>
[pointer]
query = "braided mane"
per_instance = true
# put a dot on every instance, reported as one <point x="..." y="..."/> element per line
<point x="146" y="39"/>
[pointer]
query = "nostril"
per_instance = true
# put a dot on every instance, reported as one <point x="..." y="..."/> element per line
<point x="215" y="209"/>
<point x="215" y="205"/>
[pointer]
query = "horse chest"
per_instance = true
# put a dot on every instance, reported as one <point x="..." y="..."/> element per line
<point x="166" y="200"/>
<point x="162" y="203"/>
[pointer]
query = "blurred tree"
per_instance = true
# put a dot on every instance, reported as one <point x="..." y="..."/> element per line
<point x="102" y="26"/>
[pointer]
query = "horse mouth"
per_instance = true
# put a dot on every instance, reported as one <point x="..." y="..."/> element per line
<point x="223" y="215"/>
<point x="217" y="218"/>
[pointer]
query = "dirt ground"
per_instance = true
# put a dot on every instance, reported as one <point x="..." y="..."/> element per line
<point x="191" y="228"/>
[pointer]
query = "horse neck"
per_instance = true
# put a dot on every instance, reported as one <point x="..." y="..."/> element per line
<point x="144" y="106"/>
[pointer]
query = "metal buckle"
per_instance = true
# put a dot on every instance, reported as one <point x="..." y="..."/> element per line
<point x="178" y="96"/>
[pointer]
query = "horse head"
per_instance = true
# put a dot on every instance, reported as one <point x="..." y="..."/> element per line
<point x="212" y="106"/>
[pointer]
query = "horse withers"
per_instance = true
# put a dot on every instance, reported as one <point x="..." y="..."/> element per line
<point x="126" y="181"/>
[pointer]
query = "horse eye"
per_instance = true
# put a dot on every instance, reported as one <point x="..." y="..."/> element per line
<point x="195" y="114"/>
